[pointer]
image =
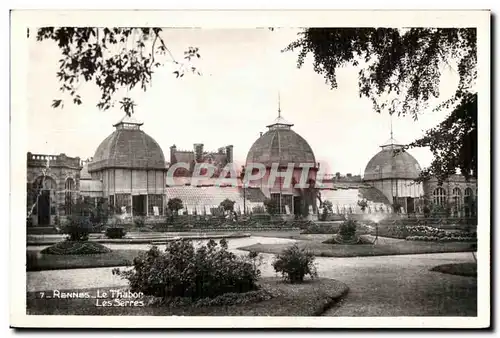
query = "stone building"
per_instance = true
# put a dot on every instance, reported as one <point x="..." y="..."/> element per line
<point x="393" y="171"/>
<point x="282" y="147"/>
<point x="219" y="158"/>
<point x="131" y="166"/>
<point x="53" y="183"/>
<point x="457" y="195"/>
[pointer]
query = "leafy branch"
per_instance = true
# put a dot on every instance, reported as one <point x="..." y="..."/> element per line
<point x="114" y="59"/>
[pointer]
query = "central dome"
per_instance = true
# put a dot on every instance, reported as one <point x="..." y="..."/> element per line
<point x="128" y="147"/>
<point x="280" y="144"/>
<point x="392" y="162"/>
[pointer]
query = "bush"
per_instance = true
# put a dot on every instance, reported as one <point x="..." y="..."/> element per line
<point x="115" y="232"/>
<point x="78" y="228"/>
<point x="272" y="207"/>
<point x="183" y="271"/>
<point x="347" y="229"/>
<point x="314" y="228"/>
<point x="139" y="222"/>
<point x="294" y="263"/>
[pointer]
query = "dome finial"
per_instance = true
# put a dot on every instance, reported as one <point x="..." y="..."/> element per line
<point x="279" y="104"/>
<point x="392" y="135"/>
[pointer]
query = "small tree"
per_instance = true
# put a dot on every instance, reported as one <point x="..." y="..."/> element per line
<point x="79" y="223"/>
<point x="271" y="206"/>
<point x="363" y="204"/>
<point x="347" y="230"/>
<point x="396" y="207"/>
<point x="227" y="205"/>
<point x="327" y="210"/>
<point x="174" y="205"/>
<point x="294" y="263"/>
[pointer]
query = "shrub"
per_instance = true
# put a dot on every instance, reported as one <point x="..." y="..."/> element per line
<point x="139" y="221"/>
<point x="115" y="232"/>
<point x="77" y="228"/>
<point x="294" y="263"/>
<point x="174" y="205"/>
<point x="183" y="271"/>
<point x="227" y="205"/>
<point x="314" y="228"/>
<point x="271" y="206"/>
<point x="347" y="229"/>
<point x="363" y="204"/>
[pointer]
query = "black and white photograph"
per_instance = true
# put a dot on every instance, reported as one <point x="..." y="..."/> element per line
<point x="262" y="169"/>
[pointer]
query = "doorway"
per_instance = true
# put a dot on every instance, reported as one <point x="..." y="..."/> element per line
<point x="297" y="205"/>
<point x="410" y="205"/>
<point x="44" y="208"/>
<point x="139" y="205"/>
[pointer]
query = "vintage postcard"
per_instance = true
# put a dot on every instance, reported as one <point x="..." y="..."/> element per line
<point x="214" y="169"/>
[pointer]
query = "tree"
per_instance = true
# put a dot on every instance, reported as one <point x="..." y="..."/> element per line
<point x="113" y="59"/>
<point x="271" y="206"/>
<point x="362" y="204"/>
<point x="327" y="210"/>
<point x="400" y="73"/>
<point x="227" y="205"/>
<point x="175" y="204"/>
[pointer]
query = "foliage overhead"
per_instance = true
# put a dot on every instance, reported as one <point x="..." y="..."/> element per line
<point x="113" y="59"/>
<point x="400" y="72"/>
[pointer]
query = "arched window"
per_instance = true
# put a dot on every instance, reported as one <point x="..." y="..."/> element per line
<point x="439" y="196"/>
<point x="468" y="195"/>
<point x="457" y="197"/>
<point x="69" y="188"/>
<point x="468" y="202"/>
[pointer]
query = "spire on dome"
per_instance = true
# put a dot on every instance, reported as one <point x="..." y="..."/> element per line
<point x="128" y="122"/>
<point x="279" y="105"/>
<point x="280" y="122"/>
<point x="391" y="142"/>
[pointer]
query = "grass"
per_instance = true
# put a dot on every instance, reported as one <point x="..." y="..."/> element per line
<point x="341" y="250"/>
<point x="459" y="269"/>
<point x="311" y="298"/>
<point x="36" y="261"/>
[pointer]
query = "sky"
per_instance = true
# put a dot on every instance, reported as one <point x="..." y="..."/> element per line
<point x="243" y="70"/>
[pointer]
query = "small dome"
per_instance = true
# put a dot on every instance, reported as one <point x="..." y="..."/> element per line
<point x="280" y="144"/>
<point x="128" y="147"/>
<point x="390" y="164"/>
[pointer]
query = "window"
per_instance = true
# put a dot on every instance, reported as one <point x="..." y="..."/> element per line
<point x="439" y="196"/>
<point x="155" y="200"/>
<point x="69" y="188"/>
<point x="457" y="197"/>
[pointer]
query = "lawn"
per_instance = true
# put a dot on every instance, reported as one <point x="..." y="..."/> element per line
<point x="382" y="249"/>
<point x="460" y="269"/>
<point x="36" y="261"/>
<point x="311" y="298"/>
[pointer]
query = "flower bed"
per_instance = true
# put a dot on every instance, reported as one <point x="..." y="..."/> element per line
<point x="76" y="248"/>
<point x="418" y="232"/>
<point x="448" y="238"/>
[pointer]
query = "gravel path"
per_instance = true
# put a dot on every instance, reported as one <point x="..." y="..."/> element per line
<point x="402" y="286"/>
<point x="379" y="286"/>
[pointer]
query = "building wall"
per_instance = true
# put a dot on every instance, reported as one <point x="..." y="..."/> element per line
<point x="399" y="187"/>
<point x="454" y="183"/>
<point x="60" y="168"/>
